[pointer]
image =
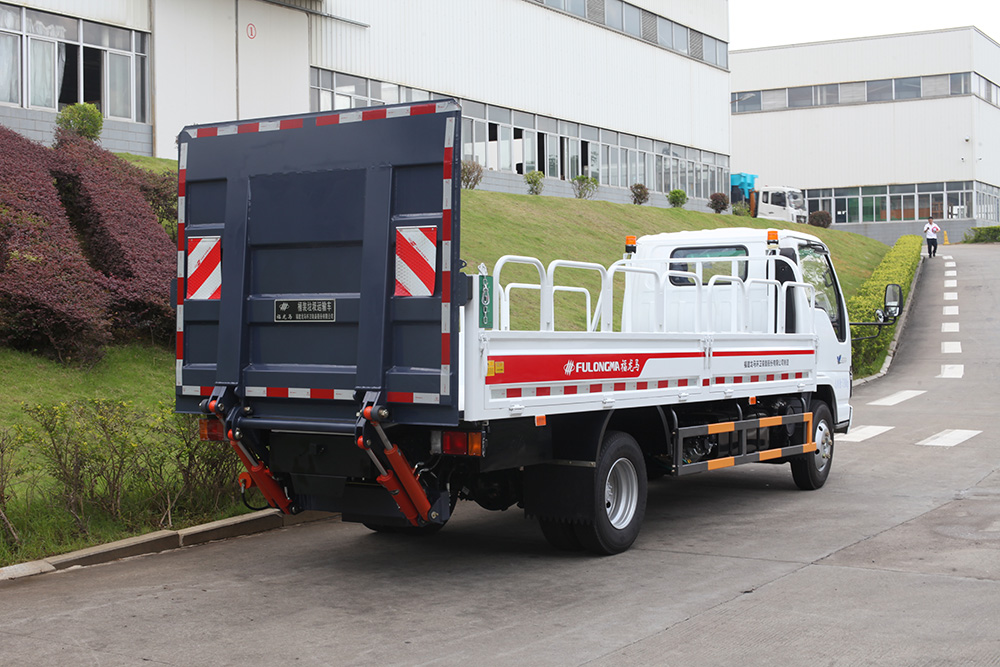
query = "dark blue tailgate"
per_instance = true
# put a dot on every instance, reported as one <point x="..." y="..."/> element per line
<point x="292" y="288"/>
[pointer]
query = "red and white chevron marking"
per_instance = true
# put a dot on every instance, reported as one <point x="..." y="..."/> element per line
<point x="204" y="267"/>
<point x="416" y="260"/>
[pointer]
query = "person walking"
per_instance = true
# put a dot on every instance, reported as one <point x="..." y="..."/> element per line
<point x="930" y="233"/>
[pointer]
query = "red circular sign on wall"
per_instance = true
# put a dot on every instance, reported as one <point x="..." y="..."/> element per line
<point x="251" y="30"/>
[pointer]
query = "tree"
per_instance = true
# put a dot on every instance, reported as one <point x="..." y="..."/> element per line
<point x="820" y="219"/>
<point x="718" y="202"/>
<point x="640" y="194"/>
<point x="472" y="174"/>
<point x="677" y="198"/>
<point x="584" y="187"/>
<point x="84" y="120"/>
<point x="536" y="182"/>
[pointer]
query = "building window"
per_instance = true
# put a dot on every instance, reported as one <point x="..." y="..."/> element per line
<point x="907" y="89"/>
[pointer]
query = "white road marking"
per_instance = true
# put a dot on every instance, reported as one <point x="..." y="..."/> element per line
<point x="951" y="347"/>
<point x="951" y="296"/>
<point x="949" y="438"/>
<point x="950" y="274"/>
<point x="952" y="371"/>
<point x="862" y="433"/>
<point x="949" y="265"/>
<point x="951" y="283"/>
<point x="950" y="310"/>
<point x="949" y="327"/>
<point x="947" y="257"/>
<point x="898" y="397"/>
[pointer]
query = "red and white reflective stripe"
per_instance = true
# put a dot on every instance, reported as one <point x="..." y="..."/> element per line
<point x="747" y="379"/>
<point x="446" y="187"/>
<point x="328" y="119"/>
<point x="300" y="392"/>
<point x="416" y="260"/>
<point x="181" y="217"/>
<point x="412" y="397"/>
<point x="189" y="390"/>
<point x="204" y="267"/>
<point x="591" y="388"/>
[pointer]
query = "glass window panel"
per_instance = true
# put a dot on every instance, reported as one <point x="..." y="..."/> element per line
<point x="97" y="34"/>
<point x="119" y="85"/>
<point x="709" y="50"/>
<point x="694" y="154"/>
<point x="506" y="163"/>
<point x="613" y="13"/>
<point x="902" y="189"/>
<point x="659" y="173"/>
<point x="664" y="32"/>
<point x="552" y="156"/>
<point x="632" y="19"/>
<point x="639" y="166"/>
<point x="351" y="85"/>
<point x="873" y="190"/>
<point x="644" y="144"/>
<point x="613" y="166"/>
<point x="499" y="115"/>
<point x="141" y="42"/>
<point x="772" y="100"/>
<point x="342" y="102"/>
<point x="313" y="77"/>
<point x="909" y="211"/>
<point x="845" y="192"/>
<point x="594" y="160"/>
<point x="314" y="99"/>
<point x="935" y="86"/>
<point x="956" y="205"/>
<point x="546" y="124"/>
<point x="141" y="90"/>
<point x="633" y="167"/>
<point x="387" y="92"/>
<point x="723" y="55"/>
<point x="467" y="152"/>
<point x="801" y="96"/>
<point x="924" y="207"/>
<point x="896" y="207"/>
<point x="10" y="17"/>
<point x="50" y="25"/>
<point x="937" y="205"/>
<point x="680" y="38"/>
<point x="908" y="88"/>
<point x="703" y="183"/>
<point x="522" y="119"/>
<point x="530" y="151"/>
<point x="827" y="94"/>
<point x="930" y="187"/>
<point x="853" y="93"/>
<point x="748" y="101"/>
<point x="42" y="64"/>
<point x="417" y="95"/>
<point x="578" y="7"/>
<point x="853" y="209"/>
<point x="573" y="156"/>
<point x="479" y="137"/>
<point x="568" y="129"/>
<point x="325" y="101"/>
<point x="558" y="4"/>
<point x="473" y="109"/>
<point x="626" y="140"/>
<point x="609" y="137"/>
<point x="960" y="84"/>
<point x="879" y="91"/>
<point x="326" y="79"/>
<point x="604" y="165"/>
<point x="958" y="185"/>
<point x="10" y="68"/>
<point x="359" y="102"/>
<point x="677" y="151"/>
<point x="589" y="133"/>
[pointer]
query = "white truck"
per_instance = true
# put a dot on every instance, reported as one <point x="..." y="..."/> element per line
<point x="769" y="202"/>
<point x="355" y="369"/>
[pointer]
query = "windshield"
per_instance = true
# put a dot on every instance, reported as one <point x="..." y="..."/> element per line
<point x="796" y="200"/>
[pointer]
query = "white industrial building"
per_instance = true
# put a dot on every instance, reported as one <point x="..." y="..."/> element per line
<point x="882" y="132"/>
<point x="624" y="91"/>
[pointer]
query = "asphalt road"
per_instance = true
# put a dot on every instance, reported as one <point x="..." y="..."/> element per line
<point x="896" y="561"/>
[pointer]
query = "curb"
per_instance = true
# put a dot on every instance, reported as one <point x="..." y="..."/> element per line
<point x="899" y="331"/>
<point x="165" y="540"/>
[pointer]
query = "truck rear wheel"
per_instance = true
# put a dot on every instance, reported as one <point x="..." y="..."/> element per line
<point x="811" y="470"/>
<point x="619" y="496"/>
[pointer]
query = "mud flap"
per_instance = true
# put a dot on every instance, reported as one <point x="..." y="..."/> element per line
<point x="564" y="492"/>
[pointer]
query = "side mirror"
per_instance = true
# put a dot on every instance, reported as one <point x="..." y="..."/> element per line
<point x="879" y="316"/>
<point x="893" y="300"/>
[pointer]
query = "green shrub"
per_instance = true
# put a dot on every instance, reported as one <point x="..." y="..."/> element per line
<point x="84" y="120"/>
<point x="584" y="187"/>
<point x="718" y="202"/>
<point x="982" y="235"/>
<point x="536" y="182"/>
<point x="820" y="219"/>
<point x="741" y="209"/>
<point x="677" y="198"/>
<point x="472" y="174"/>
<point x="898" y="266"/>
<point x="640" y="194"/>
<point x="8" y="533"/>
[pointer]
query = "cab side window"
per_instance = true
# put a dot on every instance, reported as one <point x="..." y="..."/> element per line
<point x="817" y="271"/>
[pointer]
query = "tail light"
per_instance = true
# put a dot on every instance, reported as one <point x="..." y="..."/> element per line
<point x="462" y="443"/>
<point x="210" y="428"/>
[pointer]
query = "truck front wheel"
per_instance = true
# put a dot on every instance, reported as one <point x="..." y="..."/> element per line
<point x="619" y="496"/>
<point x="811" y="470"/>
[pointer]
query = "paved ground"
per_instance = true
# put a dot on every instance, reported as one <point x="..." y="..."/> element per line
<point x="895" y="562"/>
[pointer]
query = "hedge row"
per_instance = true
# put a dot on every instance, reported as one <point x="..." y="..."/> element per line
<point x="898" y="266"/>
<point x="50" y="297"/>
<point x="121" y="234"/>
<point x="982" y="235"/>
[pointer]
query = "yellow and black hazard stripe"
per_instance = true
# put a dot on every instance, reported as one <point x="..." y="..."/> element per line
<point x="741" y="428"/>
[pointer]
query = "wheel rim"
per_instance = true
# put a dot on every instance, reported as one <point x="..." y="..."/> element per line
<point x="824" y="445"/>
<point x="621" y="493"/>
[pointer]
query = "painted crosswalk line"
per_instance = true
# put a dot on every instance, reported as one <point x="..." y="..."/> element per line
<point x="951" y="296"/>
<point x="862" y="433"/>
<point x="898" y="397"/>
<point x="952" y="371"/>
<point x="950" y="274"/>
<point x="951" y="347"/>
<point x="949" y="327"/>
<point x="947" y="257"/>
<point x="949" y="438"/>
<point x="951" y="283"/>
<point x="949" y="265"/>
<point x="950" y="310"/>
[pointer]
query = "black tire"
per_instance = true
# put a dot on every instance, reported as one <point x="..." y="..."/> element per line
<point x="811" y="470"/>
<point x="560" y="535"/>
<point x="619" y="496"/>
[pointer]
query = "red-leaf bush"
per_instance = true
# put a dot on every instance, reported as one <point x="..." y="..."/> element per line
<point x="120" y="233"/>
<point x="51" y="300"/>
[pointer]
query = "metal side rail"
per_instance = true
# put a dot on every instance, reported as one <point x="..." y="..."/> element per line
<point x="741" y="428"/>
